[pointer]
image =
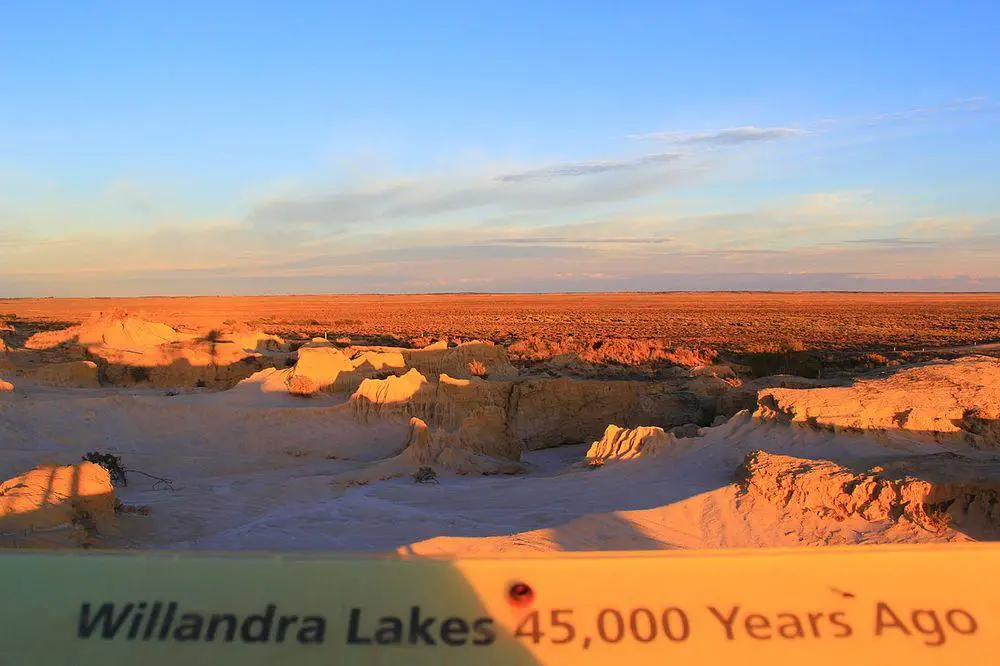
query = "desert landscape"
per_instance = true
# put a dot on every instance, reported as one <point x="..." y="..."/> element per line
<point x="488" y="423"/>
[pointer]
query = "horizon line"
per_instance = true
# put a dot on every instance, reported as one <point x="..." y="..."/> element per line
<point x="517" y="293"/>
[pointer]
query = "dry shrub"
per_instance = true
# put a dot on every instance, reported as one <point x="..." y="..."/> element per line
<point x="478" y="369"/>
<point x="692" y="358"/>
<point x="534" y="348"/>
<point x="421" y="341"/>
<point x="874" y="360"/>
<point x="301" y="386"/>
<point x="782" y="346"/>
<point x="611" y="351"/>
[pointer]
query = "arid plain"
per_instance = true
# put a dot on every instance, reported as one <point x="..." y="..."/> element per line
<point x="490" y="423"/>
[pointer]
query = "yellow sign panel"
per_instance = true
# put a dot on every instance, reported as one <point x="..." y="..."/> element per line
<point x="865" y="605"/>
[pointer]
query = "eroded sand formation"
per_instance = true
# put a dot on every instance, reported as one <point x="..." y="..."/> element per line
<point x="275" y="444"/>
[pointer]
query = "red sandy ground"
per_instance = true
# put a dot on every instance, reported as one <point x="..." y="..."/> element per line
<point x="726" y="321"/>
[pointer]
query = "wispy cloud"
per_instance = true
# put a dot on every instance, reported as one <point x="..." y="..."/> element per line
<point x="735" y="136"/>
<point x="776" y="248"/>
<point x="731" y="136"/>
<point x="549" y="188"/>
<point x="888" y="242"/>
<point x="589" y="168"/>
<point x="583" y="240"/>
<point x="968" y="105"/>
<point x="620" y="220"/>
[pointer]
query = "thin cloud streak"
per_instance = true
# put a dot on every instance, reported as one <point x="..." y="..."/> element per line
<point x="589" y="168"/>
<point x="550" y="188"/>
<point x="734" y="136"/>
<point x="558" y="240"/>
<point x="731" y="136"/>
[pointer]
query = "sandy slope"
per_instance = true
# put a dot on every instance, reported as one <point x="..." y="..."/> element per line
<point x="253" y="471"/>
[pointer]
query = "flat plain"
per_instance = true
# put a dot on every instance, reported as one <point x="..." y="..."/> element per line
<point x="737" y="321"/>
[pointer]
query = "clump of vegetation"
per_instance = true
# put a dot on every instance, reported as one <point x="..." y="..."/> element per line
<point x="873" y="360"/>
<point x="139" y="373"/>
<point x="626" y="352"/>
<point x="117" y="471"/>
<point x="301" y="386"/>
<point x="778" y="346"/>
<point x="478" y="369"/>
<point x="142" y="510"/>
<point x="110" y="462"/>
<point x="425" y="475"/>
<point x="421" y="341"/>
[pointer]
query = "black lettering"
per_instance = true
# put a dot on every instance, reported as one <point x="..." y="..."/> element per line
<point x="968" y="620"/>
<point x="189" y="629"/>
<point x="881" y="611"/>
<point x="935" y="629"/>
<point x="668" y="626"/>
<point x="454" y="631"/>
<point x="352" y="629"/>
<point x="530" y="627"/>
<point x="813" y="619"/>
<point x="103" y="617"/>
<point x="168" y="621"/>
<point x="485" y="634"/>
<point x="645" y="630"/>
<point x="619" y="625"/>
<point x="151" y="623"/>
<point x="791" y="626"/>
<point x="283" y="623"/>
<point x="133" y="630"/>
<point x="755" y="622"/>
<point x="216" y="620"/>
<point x="390" y="631"/>
<point x="837" y="619"/>
<point x="418" y="629"/>
<point x="265" y="620"/>
<point x="313" y="630"/>
<point x="727" y="621"/>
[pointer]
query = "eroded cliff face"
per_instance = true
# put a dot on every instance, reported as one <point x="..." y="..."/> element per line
<point x="618" y="444"/>
<point x="955" y="402"/>
<point x="529" y="414"/>
<point x="934" y="491"/>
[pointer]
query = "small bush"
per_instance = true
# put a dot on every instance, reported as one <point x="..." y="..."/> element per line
<point x="478" y="369"/>
<point x="110" y="462"/>
<point x="421" y="341"/>
<point x="792" y="345"/>
<point x="301" y="386"/>
<point x="425" y="475"/>
<point x="628" y="352"/>
<point x="874" y="360"/>
<point x="139" y="373"/>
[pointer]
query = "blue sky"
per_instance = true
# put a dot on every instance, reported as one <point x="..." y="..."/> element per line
<point x="182" y="147"/>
